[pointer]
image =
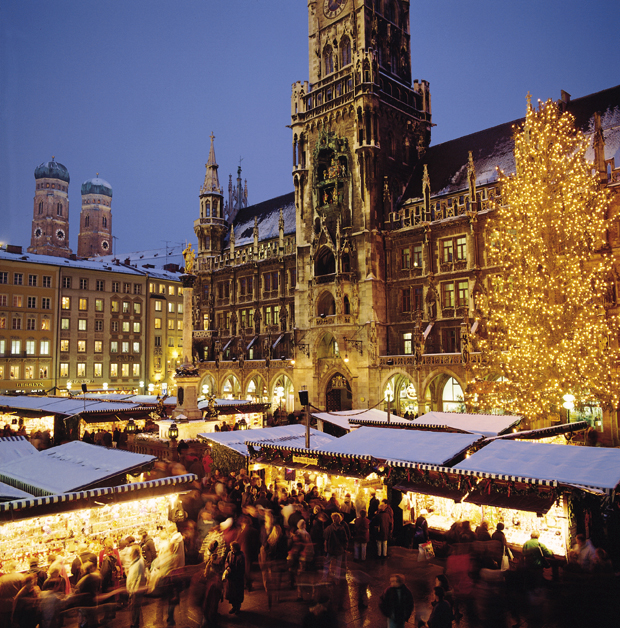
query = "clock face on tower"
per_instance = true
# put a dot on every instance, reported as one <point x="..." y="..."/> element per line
<point x="60" y="234"/>
<point x="38" y="232"/>
<point x="333" y="8"/>
<point x="105" y="245"/>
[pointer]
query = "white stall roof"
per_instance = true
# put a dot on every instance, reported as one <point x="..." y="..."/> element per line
<point x="66" y="405"/>
<point x="69" y="467"/>
<point x="286" y="435"/>
<point x="597" y="467"/>
<point x="346" y="418"/>
<point x="224" y="402"/>
<point x="9" y="493"/>
<point x="435" y="448"/>
<point x="14" y="448"/>
<point x="485" y="424"/>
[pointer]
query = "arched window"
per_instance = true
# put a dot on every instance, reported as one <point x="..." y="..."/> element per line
<point x="59" y="209"/>
<point x="325" y="263"/>
<point x="326" y="305"/>
<point x="86" y="221"/>
<point x="208" y="209"/>
<point x="40" y="207"/>
<point x="105" y="222"/>
<point x="328" y="60"/>
<point x="345" y="51"/>
<point x="347" y="306"/>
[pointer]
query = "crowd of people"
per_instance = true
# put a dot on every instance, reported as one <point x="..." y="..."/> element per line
<point x="232" y="533"/>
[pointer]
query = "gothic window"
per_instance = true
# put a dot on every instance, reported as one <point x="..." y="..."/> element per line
<point x="325" y="263"/>
<point x="347" y="306"/>
<point x="40" y="207"/>
<point x="59" y="209"/>
<point x="345" y="48"/>
<point x="326" y="305"/>
<point x="86" y="221"/>
<point x="208" y="208"/>
<point x="105" y="222"/>
<point x="328" y="60"/>
<point x="366" y="71"/>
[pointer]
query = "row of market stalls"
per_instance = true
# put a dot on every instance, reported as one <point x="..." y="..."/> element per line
<point x="68" y="418"/>
<point x="453" y="466"/>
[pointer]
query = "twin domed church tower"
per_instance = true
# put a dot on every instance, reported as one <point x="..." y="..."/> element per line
<point x="50" y="221"/>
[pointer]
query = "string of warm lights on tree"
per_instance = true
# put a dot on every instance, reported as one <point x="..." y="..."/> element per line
<point x="548" y="333"/>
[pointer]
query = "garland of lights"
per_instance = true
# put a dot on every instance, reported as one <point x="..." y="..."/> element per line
<point x="548" y="333"/>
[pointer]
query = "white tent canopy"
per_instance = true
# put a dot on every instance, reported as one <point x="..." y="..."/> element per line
<point x="346" y="419"/>
<point x="434" y="448"/>
<point x="595" y="467"/>
<point x="14" y="448"/>
<point x="286" y="435"/>
<point x="69" y="467"/>
<point x="485" y="424"/>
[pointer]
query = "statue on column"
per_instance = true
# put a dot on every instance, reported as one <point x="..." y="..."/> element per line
<point x="189" y="256"/>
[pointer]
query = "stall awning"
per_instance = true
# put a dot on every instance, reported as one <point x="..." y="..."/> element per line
<point x="545" y="432"/>
<point x="593" y="467"/>
<point x="351" y="419"/>
<point x="427" y="489"/>
<point x="14" y="448"/>
<point x="10" y="493"/>
<point x="539" y="503"/>
<point x="436" y="448"/>
<point x="484" y="424"/>
<point x="73" y="466"/>
<point x="252" y="343"/>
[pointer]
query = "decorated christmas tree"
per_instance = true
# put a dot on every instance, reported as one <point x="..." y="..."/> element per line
<point x="548" y="331"/>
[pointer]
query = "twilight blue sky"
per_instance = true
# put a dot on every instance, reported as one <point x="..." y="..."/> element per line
<point x="132" y="89"/>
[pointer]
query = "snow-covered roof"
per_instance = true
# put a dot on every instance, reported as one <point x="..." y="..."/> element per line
<point x="152" y="261"/>
<point x="69" y="467"/>
<point x="347" y="418"/>
<point x="268" y="218"/>
<point x="494" y="148"/>
<point x="14" y="448"/>
<point x="286" y="435"/>
<point x="597" y="467"/>
<point x="67" y="405"/>
<point x="436" y="448"/>
<point x="9" y="493"/>
<point x="485" y="424"/>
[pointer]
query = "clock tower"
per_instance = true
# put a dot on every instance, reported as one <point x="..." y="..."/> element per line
<point x="50" y="220"/>
<point x="359" y="126"/>
<point x="95" y="237"/>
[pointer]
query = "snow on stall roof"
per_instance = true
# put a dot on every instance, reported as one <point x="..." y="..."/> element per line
<point x="14" y="448"/>
<point x="485" y="424"/>
<point x="587" y="466"/>
<point x="346" y="418"/>
<point x="70" y="467"/>
<point x="286" y="435"/>
<point x="9" y="493"/>
<point x="436" y="448"/>
<point x="66" y="405"/>
<point x="223" y="402"/>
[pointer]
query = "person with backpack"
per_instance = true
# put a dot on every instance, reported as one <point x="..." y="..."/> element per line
<point x="109" y="566"/>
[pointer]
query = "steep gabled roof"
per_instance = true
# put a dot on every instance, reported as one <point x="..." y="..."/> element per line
<point x="492" y="148"/>
<point x="268" y="216"/>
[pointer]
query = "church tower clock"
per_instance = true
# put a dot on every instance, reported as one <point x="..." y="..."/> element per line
<point x="50" y="221"/>
<point x="95" y="237"/>
<point x="358" y="126"/>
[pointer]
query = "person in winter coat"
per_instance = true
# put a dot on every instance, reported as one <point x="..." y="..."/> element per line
<point x="373" y="506"/>
<point x="441" y="616"/>
<point x="234" y="575"/>
<point x="534" y="555"/>
<point x="382" y="525"/>
<point x="337" y="538"/>
<point x="136" y="579"/>
<point x="396" y="602"/>
<point x="361" y="535"/>
<point x="148" y="548"/>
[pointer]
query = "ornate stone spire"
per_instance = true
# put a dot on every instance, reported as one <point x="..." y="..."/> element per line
<point x="212" y="182"/>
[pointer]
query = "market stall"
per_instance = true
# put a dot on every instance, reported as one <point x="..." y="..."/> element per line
<point x="485" y="424"/>
<point x="230" y="452"/>
<point x="344" y="421"/>
<point x="37" y="528"/>
<point x="71" y="467"/>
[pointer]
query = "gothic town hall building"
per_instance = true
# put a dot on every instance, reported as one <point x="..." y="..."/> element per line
<point x="361" y="285"/>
